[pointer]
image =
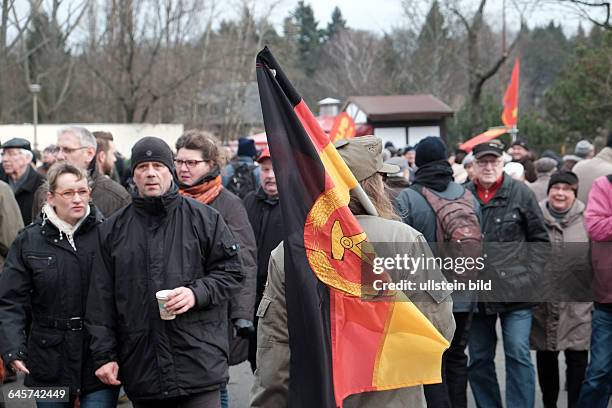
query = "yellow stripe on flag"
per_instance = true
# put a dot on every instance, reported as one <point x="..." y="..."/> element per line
<point x="411" y="353"/>
<point x="337" y="169"/>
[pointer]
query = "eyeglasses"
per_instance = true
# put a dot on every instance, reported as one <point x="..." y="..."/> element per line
<point x="69" y="150"/>
<point x="562" y="187"/>
<point x="190" y="163"/>
<point x="485" y="163"/>
<point x="69" y="194"/>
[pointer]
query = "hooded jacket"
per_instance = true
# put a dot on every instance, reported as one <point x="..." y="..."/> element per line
<point x="150" y="245"/>
<point x="43" y="272"/>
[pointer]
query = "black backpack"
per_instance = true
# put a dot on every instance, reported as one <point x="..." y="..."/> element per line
<point x="243" y="180"/>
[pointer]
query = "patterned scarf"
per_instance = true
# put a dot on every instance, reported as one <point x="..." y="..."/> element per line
<point x="204" y="192"/>
<point x="63" y="227"/>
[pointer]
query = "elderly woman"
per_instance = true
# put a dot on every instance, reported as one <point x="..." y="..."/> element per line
<point x="47" y="272"/>
<point x="563" y="326"/>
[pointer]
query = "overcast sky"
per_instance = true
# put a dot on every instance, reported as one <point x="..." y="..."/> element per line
<point x="383" y="15"/>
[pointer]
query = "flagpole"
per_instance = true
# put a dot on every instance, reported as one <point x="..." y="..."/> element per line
<point x="365" y="200"/>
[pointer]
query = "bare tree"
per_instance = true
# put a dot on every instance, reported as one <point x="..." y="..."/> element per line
<point x="478" y="71"/>
<point x="15" y="25"/>
<point x="597" y="12"/>
<point x="145" y="53"/>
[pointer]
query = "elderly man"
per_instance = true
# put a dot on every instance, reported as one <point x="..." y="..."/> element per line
<point x="20" y="175"/>
<point x="510" y="214"/>
<point x="77" y="146"/>
<point x="163" y="241"/>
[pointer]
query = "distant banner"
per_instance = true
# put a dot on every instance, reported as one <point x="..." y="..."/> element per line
<point x="344" y="128"/>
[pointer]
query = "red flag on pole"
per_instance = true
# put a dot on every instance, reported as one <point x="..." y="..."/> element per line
<point x="511" y="98"/>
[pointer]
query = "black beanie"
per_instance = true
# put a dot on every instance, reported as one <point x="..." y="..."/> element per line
<point x="430" y="149"/>
<point x="567" y="177"/>
<point x="152" y="148"/>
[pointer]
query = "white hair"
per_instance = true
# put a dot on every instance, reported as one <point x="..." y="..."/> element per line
<point x="86" y="139"/>
<point x="28" y="154"/>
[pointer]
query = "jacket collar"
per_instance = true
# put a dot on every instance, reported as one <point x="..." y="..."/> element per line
<point x="575" y="212"/>
<point x="95" y="217"/>
<point x="262" y="196"/>
<point x="31" y="182"/>
<point x="161" y="205"/>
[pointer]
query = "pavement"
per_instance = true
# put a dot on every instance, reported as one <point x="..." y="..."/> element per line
<point x="241" y="381"/>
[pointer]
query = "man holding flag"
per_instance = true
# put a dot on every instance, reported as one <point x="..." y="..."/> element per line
<point x="338" y="344"/>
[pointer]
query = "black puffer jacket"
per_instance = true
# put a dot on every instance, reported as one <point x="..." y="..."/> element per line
<point x="43" y="271"/>
<point x="155" y="244"/>
<point x="509" y="220"/>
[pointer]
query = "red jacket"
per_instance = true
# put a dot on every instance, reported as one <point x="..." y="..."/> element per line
<point x="598" y="219"/>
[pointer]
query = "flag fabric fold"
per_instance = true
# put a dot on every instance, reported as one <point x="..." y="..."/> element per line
<point x="511" y="98"/>
<point x="340" y="344"/>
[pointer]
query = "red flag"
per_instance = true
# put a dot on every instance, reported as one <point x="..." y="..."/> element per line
<point x="344" y="128"/>
<point x="511" y="98"/>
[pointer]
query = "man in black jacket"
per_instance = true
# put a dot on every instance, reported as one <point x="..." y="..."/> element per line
<point x="511" y="217"/>
<point x="163" y="241"/>
<point x="20" y="175"/>
<point x="267" y="222"/>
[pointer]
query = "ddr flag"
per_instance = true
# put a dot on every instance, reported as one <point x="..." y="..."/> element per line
<point x="511" y="98"/>
<point x="340" y="344"/>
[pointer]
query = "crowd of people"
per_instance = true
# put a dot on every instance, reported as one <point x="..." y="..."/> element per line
<point x="88" y="238"/>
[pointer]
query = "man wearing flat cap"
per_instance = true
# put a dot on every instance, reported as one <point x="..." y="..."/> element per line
<point x="162" y="241"/>
<point x="20" y="175"/>
<point x="510" y="215"/>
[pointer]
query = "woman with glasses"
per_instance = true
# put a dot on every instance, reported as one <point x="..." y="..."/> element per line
<point x="46" y="273"/>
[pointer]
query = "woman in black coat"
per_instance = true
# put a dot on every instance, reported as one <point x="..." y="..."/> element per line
<point x="47" y="273"/>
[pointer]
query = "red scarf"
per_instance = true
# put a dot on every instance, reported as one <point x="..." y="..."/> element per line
<point x="204" y="192"/>
<point x="486" y="194"/>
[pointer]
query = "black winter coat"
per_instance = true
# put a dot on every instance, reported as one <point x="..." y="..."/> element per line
<point x="509" y="220"/>
<point x="25" y="194"/>
<point x="150" y="245"/>
<point x="241" y="305"/>
<point x="266" y="219"/>
<point x="43" y="271"/>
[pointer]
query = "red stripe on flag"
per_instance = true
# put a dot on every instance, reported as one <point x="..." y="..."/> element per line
<point x="319" y="138"/>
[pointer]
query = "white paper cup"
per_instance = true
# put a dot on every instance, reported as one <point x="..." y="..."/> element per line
<point x="162" y="298"/>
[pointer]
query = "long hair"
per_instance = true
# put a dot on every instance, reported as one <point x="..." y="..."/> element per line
<point x="374" y="187"/>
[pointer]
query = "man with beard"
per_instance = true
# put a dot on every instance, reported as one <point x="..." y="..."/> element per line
<point x="198" y="173"/>
<point x="267" y="222"/>
<point x="77" y="146"/>
<point x="105" y="153"/>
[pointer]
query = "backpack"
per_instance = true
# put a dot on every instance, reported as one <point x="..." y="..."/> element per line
<point x="458" y="230"/>
<point x="243" y="180"/>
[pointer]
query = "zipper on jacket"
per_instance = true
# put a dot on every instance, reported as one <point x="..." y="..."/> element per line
<point x="41" y="258"/>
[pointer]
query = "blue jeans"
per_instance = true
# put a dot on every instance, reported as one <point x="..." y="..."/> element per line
<point x="597" y="385"/>
<point x="106" y="398"/>
<point x="224" y="394"/>
<point x="520" y="373"/>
